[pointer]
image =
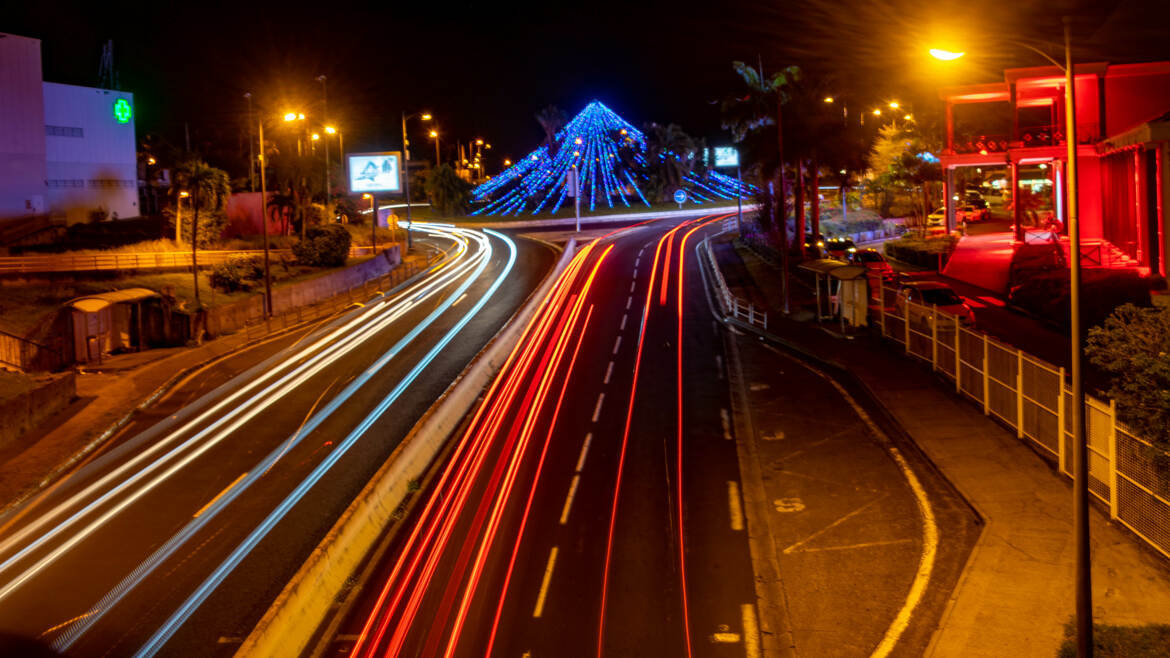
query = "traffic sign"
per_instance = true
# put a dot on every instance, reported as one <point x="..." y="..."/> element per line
<point x="680" y="197"/>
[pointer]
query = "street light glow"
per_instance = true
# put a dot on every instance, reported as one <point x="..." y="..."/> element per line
<point x="894" y="105"/>
<point x="301" y="117"/>
<point x="426" y="116"/>
<point x="316" y="136"/>
<point x="434" y="133"/>
<point x="291" y="116"/>
<point x="829" y="99"/>
<point x="331" y="130"/>
<point x="945" y="55"/>
<point x="507" y="162"/>
<point x="479" y="141"/>
<point x="877" y="112"/>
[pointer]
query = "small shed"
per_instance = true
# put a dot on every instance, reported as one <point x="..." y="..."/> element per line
<point x="822" y="283"/>
<point x="107" y="322"/>
<point x="852" y="294"/>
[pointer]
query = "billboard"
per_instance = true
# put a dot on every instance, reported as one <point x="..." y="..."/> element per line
<point x="374" y="172"/>
<point x="726" y="156"/>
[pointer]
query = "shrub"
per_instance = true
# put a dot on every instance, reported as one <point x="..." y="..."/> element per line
<point x="239" y="273"/>
<point x="928" y="252"/>
<point x="323" y="246"/>
<point x="1047" y="295"/>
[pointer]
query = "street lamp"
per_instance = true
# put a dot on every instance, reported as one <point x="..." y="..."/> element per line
<point x="435" y="136"/>
<point x="425" y="116"/>
<point x="1084" y="587"/>
<point x="179" y="217"/>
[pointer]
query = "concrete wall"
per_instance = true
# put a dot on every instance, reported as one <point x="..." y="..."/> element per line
<point x="22" y="131"/>
<point x="25" y="411"/>
<point x="90" y="158"/>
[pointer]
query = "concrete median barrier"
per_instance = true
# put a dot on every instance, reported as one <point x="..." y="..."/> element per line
<point x="309" y="598"/>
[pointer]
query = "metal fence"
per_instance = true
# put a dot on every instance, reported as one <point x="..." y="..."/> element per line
<point x="733" y="305"/>
<point x="1033" y="398"/>
<point x="134" y="261"/>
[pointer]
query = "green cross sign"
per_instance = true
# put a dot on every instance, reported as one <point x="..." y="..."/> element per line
<point x="122" y="110"/>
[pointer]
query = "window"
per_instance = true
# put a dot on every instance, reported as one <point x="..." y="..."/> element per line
<point x="64" y="131"/>
<point x="65" y="182"/>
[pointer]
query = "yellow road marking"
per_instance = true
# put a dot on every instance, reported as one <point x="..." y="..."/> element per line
<point x="548" y="570"/>
<point x="220" y="495"/>
<point x="569" y="499"/>
<point x="734" y="505"/>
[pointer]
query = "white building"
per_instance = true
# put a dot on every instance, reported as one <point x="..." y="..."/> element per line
<point x="65" y="151"/>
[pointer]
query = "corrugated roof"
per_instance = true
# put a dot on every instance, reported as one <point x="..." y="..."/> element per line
<point x="94" y="303"/>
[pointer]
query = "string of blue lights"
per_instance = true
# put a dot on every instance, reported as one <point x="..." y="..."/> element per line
<point x="610" y="157"/>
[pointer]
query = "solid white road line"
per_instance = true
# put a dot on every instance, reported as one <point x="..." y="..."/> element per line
<point x="548" y="571"/>
<point x="734" y="506"/>
<point x="220" y="495"/>
<point x="584" y="451"/>
<point x="569" y="499"/>
<point x="608" y="372"/>
<point x="617" y="344"/>
<point x="597" y="409"/>
<point x="751" y="631"/>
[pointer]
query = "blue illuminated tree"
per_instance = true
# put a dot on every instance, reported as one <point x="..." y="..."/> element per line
<point x="613" y="164"/>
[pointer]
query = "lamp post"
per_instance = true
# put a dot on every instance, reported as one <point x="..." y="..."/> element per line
<point x="425" y="116"/>
<point x="1084" y="587"/>
<point x="179" y="217"/>
<point x="435" y="136"/>
<point x="251" y="152"/>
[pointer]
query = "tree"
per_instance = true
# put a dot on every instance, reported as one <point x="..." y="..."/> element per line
<point x="551" y="119"/>
<point x="901" y="159"/>
<point x="670" y="155"/>
<point x="447" y="192"/>
<point x="1133" y="346"/>
<point x="210" y="189"/>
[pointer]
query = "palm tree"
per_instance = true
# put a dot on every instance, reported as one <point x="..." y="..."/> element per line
<point x="670" y="155"/>
<point x="551" y="119"/>
<point x="210" y="189"/>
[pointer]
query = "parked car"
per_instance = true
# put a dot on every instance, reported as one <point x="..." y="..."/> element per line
<point x="975" y="200"/>
<point x="874" y="263"/>
<point x="972" y="213"/>
<point x="839" y="248"/>
<point x="937" y="218"/>
<point x="924" y="295"/>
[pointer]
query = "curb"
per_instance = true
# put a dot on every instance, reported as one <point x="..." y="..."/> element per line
<point x="306" y="602"/>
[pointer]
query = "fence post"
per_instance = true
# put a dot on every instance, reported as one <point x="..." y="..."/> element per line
<point x="986" y="380"/>
<point x="906" y="326"/>
<point x="1113" y="497"/>
<point x="882" y="306"/>
<point x="1019" y="394"/>
<point x="1060" y="421"/>
<point x="958" y="358"/>
<point x="934" y="337"/>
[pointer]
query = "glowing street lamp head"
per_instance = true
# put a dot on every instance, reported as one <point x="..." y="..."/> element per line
<point x="291" y="116"/>
<point x="367" y="195"/>
<point x="184" y="195"/>
<point x="301" y="116"/>
<point x="507" y="162"/>
<point x="893" y="105"/>
<point x="829" y="99"/>
<point x="877" y="112"/>
<point x="434" y="133"/>
<point x="316" y="136"/>
<point x="945" y="55"/>
<point x="479" y="141"/>
<point x="151" y="161"/>
<point x="331" y="130"/>
<point x="426" y="116"/>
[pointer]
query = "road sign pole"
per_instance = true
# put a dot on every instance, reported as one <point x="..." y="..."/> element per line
<point x="739" y="199"/>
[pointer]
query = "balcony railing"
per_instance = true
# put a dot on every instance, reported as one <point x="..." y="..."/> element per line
<point x="1031" y="136"/>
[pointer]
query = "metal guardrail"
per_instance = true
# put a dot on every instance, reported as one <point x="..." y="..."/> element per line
<point x="732" y="305"/>
<point x="132" y="261"/>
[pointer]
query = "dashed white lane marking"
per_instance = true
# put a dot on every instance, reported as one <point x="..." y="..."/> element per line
<point x="637" y="260"/>
<point x="734" y="506"/>
<point x="608" y="372"/>
<point x="629" y="300"/>
<point x="548" y="572"/>
<point x="625" y="316"/>
<point x="725" y="417"/>
<point x="597" y="409"/>
<point x="569" y="499"/>
<point x="584" y="451"/>
<point x="456" y="302"/>
<point x="632" y="285"/>
<point x="617" y="344"/>
<point x="751" y="631"/>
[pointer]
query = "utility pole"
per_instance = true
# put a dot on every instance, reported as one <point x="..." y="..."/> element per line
<point x="264" y="223"/>
<point x="325" y="121"/>
<point x="406" y="176"/>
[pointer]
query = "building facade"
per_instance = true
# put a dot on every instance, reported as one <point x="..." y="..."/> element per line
<point x="67" y="152"/>
<point x="1010" y="136"/>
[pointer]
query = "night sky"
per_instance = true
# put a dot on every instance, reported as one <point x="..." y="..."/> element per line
<point x="485" y="68"/>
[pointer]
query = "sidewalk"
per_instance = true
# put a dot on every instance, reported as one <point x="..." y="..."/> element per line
<point x="1017" y="591"/>
<point x="109" y="394"/>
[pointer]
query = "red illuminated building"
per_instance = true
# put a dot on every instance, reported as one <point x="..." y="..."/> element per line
<point x="1007" y="139"/>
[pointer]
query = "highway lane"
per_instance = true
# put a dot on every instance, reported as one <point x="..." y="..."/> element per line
<point x="97" y="564"/>
<point x="595" y="504"/>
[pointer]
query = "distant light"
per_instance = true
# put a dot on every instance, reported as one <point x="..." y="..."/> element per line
<point x="150" y="161"/>
<point x="316" y="136"/>
<point x="426" y="116"/>
<point x="301" y="117"/>
<point x="877" y="112"/>
<point x="535" y="157"/>
<point x="507" y="163"/>
<point x="184" y="195"/>
<point x="829" y="99"/>
<point x="982" y="151"/>
<point x="576" y="153"/>
<point x="291" y="116"/>
<point x="843" y="172"/>
<point x="479" y="141"/>
<point x="622" y="131"/>
<point x="331" y="130"/>
<point x="577" y="141"/>
<point x="434" y="133"/>
<point x="894" y="105"/>
<point x="487" y="146"/>
<point x="367" y="195"/>
<point x="1043" y="166"/>
<point x="908" y="117"/>
<point x="945" y="55"/>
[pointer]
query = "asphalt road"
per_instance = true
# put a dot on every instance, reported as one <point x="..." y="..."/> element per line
<point x="611" y="495"/>
<point x="179" y="536"/>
